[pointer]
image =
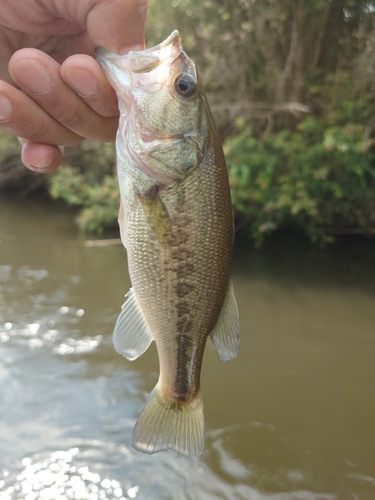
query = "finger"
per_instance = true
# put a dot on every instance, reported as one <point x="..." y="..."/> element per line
<point x="22" y="117"/>
<point x="41" y="158"/>
<point x="85" y="76"/>
<point x="117" y="25"/>
<point x="120" y="27"/>
<point x="38" y="75"/>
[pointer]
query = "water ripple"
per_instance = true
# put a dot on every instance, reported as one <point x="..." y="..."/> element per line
<point x="40" y="333"/>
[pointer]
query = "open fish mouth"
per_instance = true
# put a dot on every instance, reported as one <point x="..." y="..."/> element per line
<point x="147" y="60"/>
<point x="142" y="61"/>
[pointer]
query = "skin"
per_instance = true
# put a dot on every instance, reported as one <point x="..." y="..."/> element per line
<point x="52" y="92"/>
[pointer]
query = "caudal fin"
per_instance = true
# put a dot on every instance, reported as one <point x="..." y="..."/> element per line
<point x="163" y="425"/>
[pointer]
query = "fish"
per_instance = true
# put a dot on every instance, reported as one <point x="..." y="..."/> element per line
<point x="176" y="223"/>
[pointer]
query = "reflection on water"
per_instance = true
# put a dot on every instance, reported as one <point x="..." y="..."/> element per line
<point x="57" y="479"/>
<point x="292" y="418"/>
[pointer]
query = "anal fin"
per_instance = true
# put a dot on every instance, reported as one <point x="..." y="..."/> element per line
<point x="131" y="336"/>
<point x="226" y="334"/>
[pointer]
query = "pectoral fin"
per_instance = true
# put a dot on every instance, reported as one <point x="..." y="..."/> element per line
<point x="131" y="336"/>
<point x="121" y="223"/>
<point x="226" y="334"/>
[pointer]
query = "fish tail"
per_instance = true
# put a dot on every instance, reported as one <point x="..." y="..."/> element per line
<point x="165" y="425"/>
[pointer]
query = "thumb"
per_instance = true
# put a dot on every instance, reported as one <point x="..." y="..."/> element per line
<point x="117" y="25"/>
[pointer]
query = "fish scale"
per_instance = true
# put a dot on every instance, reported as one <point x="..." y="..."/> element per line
<point x="153" y="272"/>
<point x="176" y="223"/>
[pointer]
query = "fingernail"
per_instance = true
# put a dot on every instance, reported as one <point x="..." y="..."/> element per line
<point x="82" y="82"/>
<point x="6" y="107"/>
<point x="41" y="81"/>
<point x="43" y="164"/>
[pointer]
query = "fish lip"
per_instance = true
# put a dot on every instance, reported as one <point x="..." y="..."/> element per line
<point x="154" y="55"/>
<point x="102" y="55"/>
<point x="173" y="37"/>
<point x="115" y="67"/>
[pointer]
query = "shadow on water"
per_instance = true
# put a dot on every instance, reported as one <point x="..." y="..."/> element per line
<point x="290" y="259"/>
<point x="292" y="418"/>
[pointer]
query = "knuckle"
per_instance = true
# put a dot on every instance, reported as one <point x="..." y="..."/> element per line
<point x="44" y="130"/>
<point x="70" y="115"/>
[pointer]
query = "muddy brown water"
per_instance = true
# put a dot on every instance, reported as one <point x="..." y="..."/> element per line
<point x="292" y="418"/>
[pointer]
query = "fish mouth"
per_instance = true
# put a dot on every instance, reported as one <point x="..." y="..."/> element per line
<point x="169" y="43"/>
<point x="173" y="37"/>
<point x="118" y="69"/>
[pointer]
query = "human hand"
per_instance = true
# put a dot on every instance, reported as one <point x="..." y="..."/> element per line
<point x="46" y="49"/>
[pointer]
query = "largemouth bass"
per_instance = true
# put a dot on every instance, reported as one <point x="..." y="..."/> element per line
<point x="176" y="222"/>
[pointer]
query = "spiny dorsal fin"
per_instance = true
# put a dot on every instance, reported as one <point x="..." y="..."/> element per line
<point x="226" y="334"/>
<point x="131" y="336"/>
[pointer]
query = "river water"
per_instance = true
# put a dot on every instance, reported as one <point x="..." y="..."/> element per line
<point x="292" y="418"/>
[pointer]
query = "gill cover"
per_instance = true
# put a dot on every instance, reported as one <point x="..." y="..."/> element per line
<point x="163" y="123"/>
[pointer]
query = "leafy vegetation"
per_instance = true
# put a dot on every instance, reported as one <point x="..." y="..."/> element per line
<point x="92" y="187"/>
<point x="317" y="179"/>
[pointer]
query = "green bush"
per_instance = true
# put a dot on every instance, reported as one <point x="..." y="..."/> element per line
<point x="91" y="185"/>
<point x="318" y="179"/>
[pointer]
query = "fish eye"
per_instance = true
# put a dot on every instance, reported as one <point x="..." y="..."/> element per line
<point x="185" y="85"/>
